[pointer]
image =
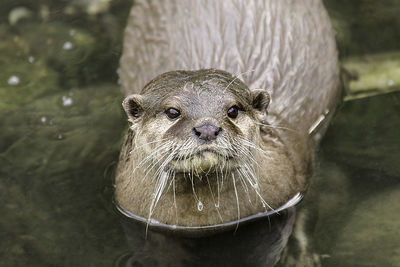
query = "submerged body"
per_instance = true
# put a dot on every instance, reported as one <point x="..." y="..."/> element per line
<point x="226" y="100"/>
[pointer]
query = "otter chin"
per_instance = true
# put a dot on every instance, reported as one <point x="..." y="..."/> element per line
<point x="198" y="162"/>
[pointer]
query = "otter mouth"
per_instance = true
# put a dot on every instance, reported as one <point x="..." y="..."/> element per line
<point x="204" y="153"/>
<point x="200" y="160"/>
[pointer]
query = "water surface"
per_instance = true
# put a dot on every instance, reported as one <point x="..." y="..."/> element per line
<point x="61" y="130"/>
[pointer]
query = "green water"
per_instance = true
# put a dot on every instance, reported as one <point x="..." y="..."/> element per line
<point x="359" y="185"/>
<point x="61" y="128"/>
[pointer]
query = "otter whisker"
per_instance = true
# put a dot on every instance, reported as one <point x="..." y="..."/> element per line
<point x="161" y="169"/>
<point x="184" y="146"/>
<point x="247" y="142"/>
<point x="237" y="200"/>
<point x="144" y="161"/>
<point x="252" y="145"/>
<point x="246" y="153"/>
<point x="151" y="155"/>
<point x="148" y="169"/>
<point x="218" y="188"/>
<point x="145" y="144"/>
<point x="164" y="150"/>
<point x="166" y="161"/>
<point x="255" y="185"/>
<point x="170" y="183"/>
<point x="193" y="189"/>
<point x="274" y="126"/>
<point x="154" y="163"/>
<point x="188" y="144"/>
<point x="157" y="173"/>
<point x="159" y="188"/>
<point x="237" y="77"/>
<point x="226" y="174"/>
<point x="162" y="177"/>
<point x="247" y="177"/>
<point x="253" y="178"/>
<point x="244" y="185"/>
<point x="184" y="157"/>
<point x="175" y="205"/>
<point x="213" y="197"/>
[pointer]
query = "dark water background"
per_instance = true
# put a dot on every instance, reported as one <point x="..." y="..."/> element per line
<point x="61" y="127"/>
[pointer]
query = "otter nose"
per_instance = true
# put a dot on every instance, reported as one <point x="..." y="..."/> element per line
<point x="207" y="132"/>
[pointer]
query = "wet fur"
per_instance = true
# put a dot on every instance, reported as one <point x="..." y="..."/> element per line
<point x="254" y="168"/>
<point x="284" y="47"/>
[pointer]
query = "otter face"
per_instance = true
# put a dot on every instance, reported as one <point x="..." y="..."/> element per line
<point x="196" y="122"/>
<point x="200" y="142"/>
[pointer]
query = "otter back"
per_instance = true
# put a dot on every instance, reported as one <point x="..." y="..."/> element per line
<point x="285" y="47"/>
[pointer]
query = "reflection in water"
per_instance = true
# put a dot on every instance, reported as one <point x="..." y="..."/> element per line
<point x="257" y="243"/>
<point x="256" y="240"/>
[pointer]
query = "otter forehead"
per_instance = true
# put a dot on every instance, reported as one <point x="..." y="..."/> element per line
<point x="203" y="92"/>
<point x="208" y="80"/>
<point x="197" y="103"/>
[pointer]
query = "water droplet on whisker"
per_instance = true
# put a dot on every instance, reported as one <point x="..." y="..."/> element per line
<point x="200" y="205"/>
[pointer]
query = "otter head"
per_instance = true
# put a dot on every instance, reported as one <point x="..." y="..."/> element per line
<point x="196" y="121"/>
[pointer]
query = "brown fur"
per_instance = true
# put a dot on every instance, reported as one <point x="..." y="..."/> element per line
<point x="280" y="158"/>
<point x="283" y="50"/>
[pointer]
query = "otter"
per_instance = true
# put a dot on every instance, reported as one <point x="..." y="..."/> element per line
<point x="227" y="101"/>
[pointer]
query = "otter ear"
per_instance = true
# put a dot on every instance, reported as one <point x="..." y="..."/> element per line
<point x="133" y="106"/>
<point x="261" y="99"/>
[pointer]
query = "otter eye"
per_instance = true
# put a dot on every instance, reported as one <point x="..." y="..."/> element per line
<point x="172" y="113"/>
<point x="233" y="112"/>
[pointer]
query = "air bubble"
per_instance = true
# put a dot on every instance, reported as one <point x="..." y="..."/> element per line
<point x="67" y="101"/>
<point x="68" y="46"/>
<point x="13" y="80"/>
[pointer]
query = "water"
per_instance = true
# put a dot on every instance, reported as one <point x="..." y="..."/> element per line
<point x="62" y="126"/>
<point x="359" y="185"/>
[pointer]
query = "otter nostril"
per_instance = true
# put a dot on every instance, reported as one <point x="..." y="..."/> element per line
<point x="196" y="132"/>
<point x="218" y="131"/>
<point x="207" y="132"/>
